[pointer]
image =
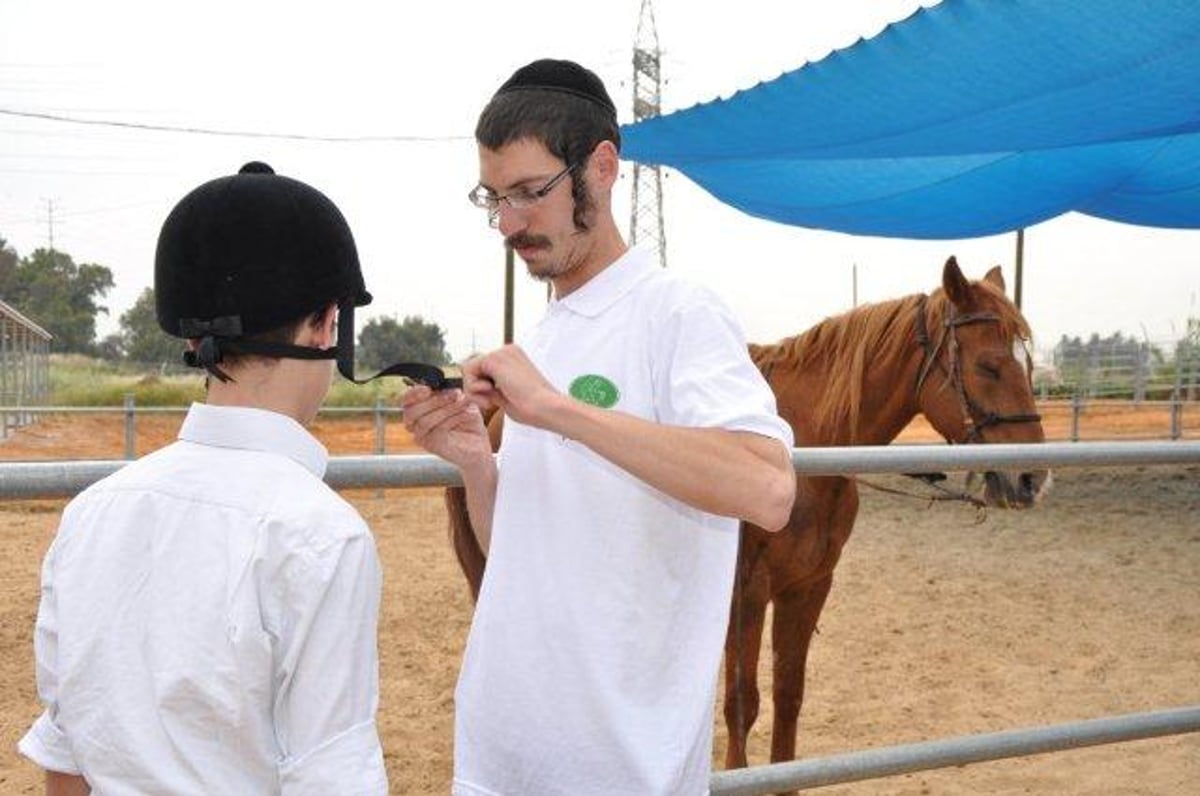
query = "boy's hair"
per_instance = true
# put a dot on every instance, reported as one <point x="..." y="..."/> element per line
<point x="561" y="105"/>
<point x="282" y="335"/>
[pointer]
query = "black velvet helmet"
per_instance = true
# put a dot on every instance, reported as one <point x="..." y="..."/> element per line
<point x="250" y="253"/>
<point x="254" y="252"/>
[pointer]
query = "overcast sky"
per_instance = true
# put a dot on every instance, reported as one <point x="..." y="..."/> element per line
<point x="416" y="75"/>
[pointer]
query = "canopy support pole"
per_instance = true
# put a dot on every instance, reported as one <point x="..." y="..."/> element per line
<point x="1020" y="266"/>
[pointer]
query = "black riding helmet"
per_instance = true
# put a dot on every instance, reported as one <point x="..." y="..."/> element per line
<point x="255" y="251"/>
<point x="249" y="253"/>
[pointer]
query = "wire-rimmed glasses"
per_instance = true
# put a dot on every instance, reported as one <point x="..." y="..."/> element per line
<point x="519" y="199"/>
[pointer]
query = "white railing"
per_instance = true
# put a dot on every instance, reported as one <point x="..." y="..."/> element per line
<point x="65" y="478"/>
<point x="50" y="479"/>
<point x="889" y="761"/>
<point x="1173" y="428"/>
<point x="29" y="414"/>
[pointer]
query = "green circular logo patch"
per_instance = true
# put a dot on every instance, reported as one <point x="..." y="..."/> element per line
<point x="595" y="390"/>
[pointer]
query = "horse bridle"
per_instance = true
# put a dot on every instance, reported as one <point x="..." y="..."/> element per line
<point x="975" y="418"/>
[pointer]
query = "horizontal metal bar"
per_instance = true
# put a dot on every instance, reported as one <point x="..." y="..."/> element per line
<point x="175" y="410"/>
<point x="408" y="470"/>
<point x="1065" y="404"/>
<point x="924" y="458"/>
<point x="27" y="480"/>
<point x="22" y="480"/>
<point x="906" y="758"/>
<point x="55" y="479"/>
<point x="93" y="410"/>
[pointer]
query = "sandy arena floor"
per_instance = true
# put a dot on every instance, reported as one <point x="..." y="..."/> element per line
<point x="938" y="625"/>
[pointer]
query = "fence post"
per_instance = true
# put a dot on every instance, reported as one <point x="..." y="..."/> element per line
<point x="380" y="429"/>
<point x="1076" y="409"/>
<point x="130" y="431"/>
<point x="1141" y="374"/>
<point x="1177" y="399"/>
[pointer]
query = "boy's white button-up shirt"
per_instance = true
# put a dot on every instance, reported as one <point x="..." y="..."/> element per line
<point x="208" y="622"/>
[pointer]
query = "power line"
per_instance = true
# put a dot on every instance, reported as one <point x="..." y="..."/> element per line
<point x="163" y="128"/>
<point x="59" y="214"/>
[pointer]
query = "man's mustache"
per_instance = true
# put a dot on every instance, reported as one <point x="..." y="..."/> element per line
<point x="523" y="241"/>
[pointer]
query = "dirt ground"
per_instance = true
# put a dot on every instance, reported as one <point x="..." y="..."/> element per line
<point x="938" y="624"/>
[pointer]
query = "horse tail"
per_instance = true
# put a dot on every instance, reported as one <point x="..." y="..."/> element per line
<point x="462" y="538"/>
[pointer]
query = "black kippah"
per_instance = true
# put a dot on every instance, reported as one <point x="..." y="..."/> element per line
<point x="566" y="77"/>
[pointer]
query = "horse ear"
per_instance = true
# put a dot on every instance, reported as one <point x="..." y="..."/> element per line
<point x="954" y="283"/>
<point x="995" y="277"/>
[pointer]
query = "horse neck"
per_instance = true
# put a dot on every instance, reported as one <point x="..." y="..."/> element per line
<point x="889" y="400"/>
<point x="887" y="368"/>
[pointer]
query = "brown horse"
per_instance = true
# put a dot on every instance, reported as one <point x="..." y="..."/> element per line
<point x="855" y="379"/>
<point x="859" y="379"/>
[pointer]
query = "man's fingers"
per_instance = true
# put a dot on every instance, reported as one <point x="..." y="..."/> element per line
<point x="423" y="416"/>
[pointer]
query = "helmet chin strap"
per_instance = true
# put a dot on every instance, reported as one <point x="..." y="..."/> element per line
<point x="211" y="349"/>
<point x="429" y="375"/>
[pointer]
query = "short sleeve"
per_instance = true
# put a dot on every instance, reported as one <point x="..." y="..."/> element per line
<point x="703" y="373"/>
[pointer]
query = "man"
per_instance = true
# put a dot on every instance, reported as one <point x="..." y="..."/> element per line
<point x="208" y="614"/>
<point x="637" y="432"/>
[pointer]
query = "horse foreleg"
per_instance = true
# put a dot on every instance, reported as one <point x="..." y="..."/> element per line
<point x="743" y="640"/>
<point x="795" y="621"/>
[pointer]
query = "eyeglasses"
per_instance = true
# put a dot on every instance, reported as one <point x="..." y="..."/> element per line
<point x="518" y="200"/>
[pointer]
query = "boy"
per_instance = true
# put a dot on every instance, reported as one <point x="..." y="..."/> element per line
<point x="208" y="614"/>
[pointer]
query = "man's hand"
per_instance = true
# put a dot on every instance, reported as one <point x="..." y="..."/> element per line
<point x="446" y="424"/>
<point x="506" y="379"/>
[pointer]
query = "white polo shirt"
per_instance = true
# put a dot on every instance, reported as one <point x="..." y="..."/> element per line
<point x="208" y="622"/>
<point x="592" y="660"/>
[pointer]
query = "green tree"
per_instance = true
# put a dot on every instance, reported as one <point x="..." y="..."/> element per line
<point x="8" y="264"/>
<point x="57" y="294"/>
<point x="111" y="348"/>
<point x="142" y="340"/>
<point x="384" y="341"/>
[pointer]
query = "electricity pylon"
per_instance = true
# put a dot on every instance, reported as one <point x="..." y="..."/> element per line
<point x="646" y="224"/>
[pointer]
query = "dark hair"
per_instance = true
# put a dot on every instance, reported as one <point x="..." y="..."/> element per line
<point x="280" y="335"/>
<point x="570" y="127"/>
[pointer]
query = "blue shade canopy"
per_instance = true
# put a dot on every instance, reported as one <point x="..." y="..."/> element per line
<point x="970" y="118"/>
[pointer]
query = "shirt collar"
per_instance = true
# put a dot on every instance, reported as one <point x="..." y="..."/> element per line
<point x="244" y="428"/>
<point x="607" y="287"/>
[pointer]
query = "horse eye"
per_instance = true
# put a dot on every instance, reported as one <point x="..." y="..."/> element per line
<point x="991" y="371"/>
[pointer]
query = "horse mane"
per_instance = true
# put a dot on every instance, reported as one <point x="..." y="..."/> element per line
<point x="837" y="351"/>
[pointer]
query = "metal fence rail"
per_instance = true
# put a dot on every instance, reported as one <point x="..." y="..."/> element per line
<point x="904" y="759"/>
<point x="20" y="480"/>
<point x="130" y="410"/>
<point x="65" y="478"/>
<point x="1121" y="367"/>
<point x="1173" y="427"/>
<point x="925" y="458"/>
